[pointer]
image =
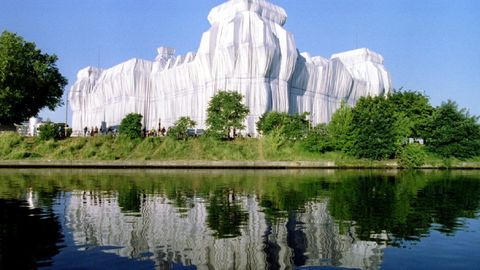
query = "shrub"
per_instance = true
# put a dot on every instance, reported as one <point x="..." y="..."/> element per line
<point x="412" y="155"/>
<point x="180" y="127"/>
<point x="131" y="126"/>
<point x="340" y="128"/>
<point x="49" y="131"/>
<point x="292" y="127"/>
<point x="317" y="140"/>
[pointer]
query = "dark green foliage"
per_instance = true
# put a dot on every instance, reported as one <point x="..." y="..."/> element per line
<point x="453" y="132"/>
<point x="270" y="121"/>
<point x="180" y="127"/>
<point x="129" y="198"/>
<point x="378" y="129"/>
<point x="340" y="129"/>
<point x="225" y="114"/>
<point x="51" y="131"/>
<point x="416" y="107"/>
<point x="318" y="140"/>
<point x="225" y="214"/>
<point x="29" y="80"/>
<point x="291" y="127"/>
<point x="131" y="126"/>
<point x="412" y="155"/>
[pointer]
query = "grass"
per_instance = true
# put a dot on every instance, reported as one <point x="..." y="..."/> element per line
<point x="270" y="148"/>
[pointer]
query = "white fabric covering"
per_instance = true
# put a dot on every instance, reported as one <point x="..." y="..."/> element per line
<point x="246" y="50"/>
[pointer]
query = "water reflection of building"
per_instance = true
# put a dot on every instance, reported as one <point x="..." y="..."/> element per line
<point x="164" y="235"/>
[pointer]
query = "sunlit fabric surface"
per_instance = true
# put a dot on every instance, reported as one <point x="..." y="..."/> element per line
<point x="246" y="50"/>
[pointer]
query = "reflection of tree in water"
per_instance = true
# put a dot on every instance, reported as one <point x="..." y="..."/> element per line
<point x="130" y="198"/>
<point x="225" y="214"/>
<point x="448" y="200"/>
<point x="282" y="199"/>
<point x="28" y="237"/>
<point x="404" y="206"/>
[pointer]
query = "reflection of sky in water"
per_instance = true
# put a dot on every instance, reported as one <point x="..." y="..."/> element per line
<point x="256" y="221"/>
<point x="439" y="251"/>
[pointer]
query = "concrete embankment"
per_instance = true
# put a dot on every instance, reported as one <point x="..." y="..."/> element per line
<point x="138" y="164"/>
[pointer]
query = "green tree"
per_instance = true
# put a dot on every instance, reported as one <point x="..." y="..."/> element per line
<point x="271" y="121"/>
<point x="340" y="128"/>
<point x="131" y="126"/>
<point x="226" y="113"/>
<point x="291" y="127"/>
<point x="453" y="132"/>
<point x="416" y="108"/>
<point x="29" y="80"/>
<point x="378" y="130"/>
<point x="180" y="127"/>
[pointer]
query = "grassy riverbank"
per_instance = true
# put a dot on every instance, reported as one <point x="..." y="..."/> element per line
<point x="106" y="148"/>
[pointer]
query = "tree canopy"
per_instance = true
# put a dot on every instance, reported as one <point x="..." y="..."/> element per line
<point x="416" y="108"/>
<point x="291" y="127"/>
<point x="29" y="80"/>
<point x="180" y="127"/>
<point x="225" y="114"/>
<point x="131" y="126"/>
<point x="340" y="128"/>
<point x="453" y="132"/>
<point x="377" y="128"/>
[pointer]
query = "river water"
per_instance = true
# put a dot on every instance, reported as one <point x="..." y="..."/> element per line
<point x="202" y="219"/>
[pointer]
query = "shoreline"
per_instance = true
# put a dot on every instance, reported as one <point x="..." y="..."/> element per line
<point x="204" y="164"/>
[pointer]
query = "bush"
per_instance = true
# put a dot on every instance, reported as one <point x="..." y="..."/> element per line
<point x="180" y="127"/>
<point x="412" y="155"/>
<point x="292" y="127"/>
<point x="131" y="126"/>
<point x="340" y="129"/>
<point x="49" y="131"/>
<point x="317" y="140"/>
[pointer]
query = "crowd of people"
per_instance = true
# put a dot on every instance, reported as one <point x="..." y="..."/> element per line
<point x="95" y="131"/>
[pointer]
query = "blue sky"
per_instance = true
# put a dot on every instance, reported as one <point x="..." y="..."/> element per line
<point x="428" y="45"/>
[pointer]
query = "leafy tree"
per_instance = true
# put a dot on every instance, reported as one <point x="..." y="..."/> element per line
<point x="180" y="127"/>
<point x="291" y="127"/>
<point x="453" y="132"/>
<point x="29" y="80"/>
<point x="226" y="113"/>
<point x="378" y="130"/>
<point x="131" y="126"/>
<point x="340" y="128"/>
<point x="416" y="108"/>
